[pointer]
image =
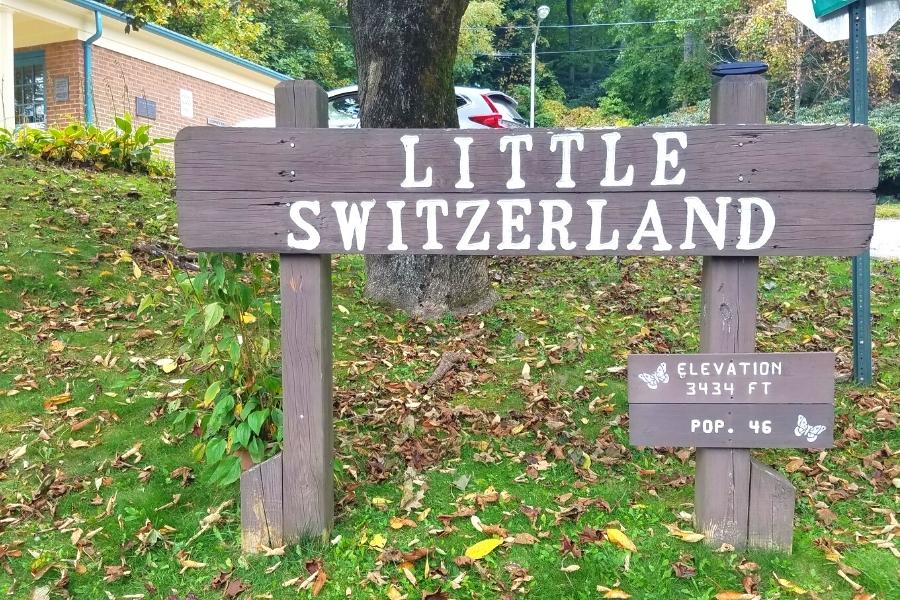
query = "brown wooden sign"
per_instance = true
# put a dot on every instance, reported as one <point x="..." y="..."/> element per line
<point x="719" y="190"/>
<point x="779" y="400"/>
<point x="728" y="192"/>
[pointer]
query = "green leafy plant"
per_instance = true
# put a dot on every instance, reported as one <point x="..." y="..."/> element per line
<point x="7" y="145"/>
<point x="230" y="319"/>
<point x="123" y="147"/>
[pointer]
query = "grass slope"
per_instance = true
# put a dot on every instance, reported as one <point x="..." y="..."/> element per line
<point x="88" y="513"/>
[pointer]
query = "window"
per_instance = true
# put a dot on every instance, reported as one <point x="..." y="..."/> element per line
<point x="30" y="84"/>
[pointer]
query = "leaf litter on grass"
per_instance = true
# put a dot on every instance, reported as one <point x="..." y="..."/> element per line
<point x="534" y="461"/>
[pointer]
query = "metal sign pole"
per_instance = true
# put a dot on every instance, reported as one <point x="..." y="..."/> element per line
<point x="862" y="278"/>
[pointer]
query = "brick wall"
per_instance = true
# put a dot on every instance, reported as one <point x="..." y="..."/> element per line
<point x="64" y="59"/>
<point x="119" y="79"/>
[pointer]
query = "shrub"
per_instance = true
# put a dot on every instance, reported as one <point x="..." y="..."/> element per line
<point x="124" y="147"/>
<point x="581" y="116"/>
<point x="886" y="123"/>
<point x="550" y="113"/>
<point x="230" y="320"/>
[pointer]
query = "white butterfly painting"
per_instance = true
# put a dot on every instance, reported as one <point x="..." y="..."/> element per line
<point x="804" y="428"/>
<point x="657" y="377"/>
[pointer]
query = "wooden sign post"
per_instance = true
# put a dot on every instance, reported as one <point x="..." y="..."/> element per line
<point x="731" y="192"/>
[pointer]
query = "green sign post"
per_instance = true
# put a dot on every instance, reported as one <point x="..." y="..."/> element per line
<point x="826" y="7"/>
<point x="859" y="113"/>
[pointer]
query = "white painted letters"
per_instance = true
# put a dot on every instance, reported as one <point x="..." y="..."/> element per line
<point x="609" y="178"/>
<point x="409" y="144"/>
<point x="516" y="141"/>
<point x="431" y="206"/>
<point x="465" y="242"/>
<point x="557" y="225"/>
<point x="566" y="139"/>
<point x="464" y="183"/>
<point x="651" y="217"/>
<point x="747" y="211"/>
<point x="597" y="226"/>
<point x="665" y="157"/>
<point x="353" y="224"/>
<point x="716" y="229"/>
<point x="396" y="208"/>
<point x="512" y="223"/>
<point x="312" y="236"/>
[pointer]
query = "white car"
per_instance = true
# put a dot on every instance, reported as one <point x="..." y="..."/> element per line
<point x="477" y="109"/>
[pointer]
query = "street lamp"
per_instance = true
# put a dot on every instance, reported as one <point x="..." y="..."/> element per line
<point x="542" y="12"/>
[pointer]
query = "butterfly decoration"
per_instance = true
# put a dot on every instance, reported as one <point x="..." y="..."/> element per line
<point x="657" y="377"/>
<point x="804" y="428"/>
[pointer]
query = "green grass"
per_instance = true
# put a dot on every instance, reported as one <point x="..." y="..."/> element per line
<point x="888" y="211"/>
<point x="66" y="279"/>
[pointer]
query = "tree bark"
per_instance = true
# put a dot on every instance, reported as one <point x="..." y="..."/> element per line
<point x="405" y="50"/>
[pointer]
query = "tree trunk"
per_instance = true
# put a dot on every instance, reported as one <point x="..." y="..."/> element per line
<point x="405" y="50"/>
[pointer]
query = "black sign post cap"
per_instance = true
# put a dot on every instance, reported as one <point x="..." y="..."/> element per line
<point x="740" y="68"/>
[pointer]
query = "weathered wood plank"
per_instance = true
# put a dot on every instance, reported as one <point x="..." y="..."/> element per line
<point x="261" y="510"/>
<point x="306" y="376"/>
<point x="732" y="425"/>
<point x="728" y="325"/>
<point x="308" y="481"/>
<point x="721" y="495"/>
<point x="803" y="223"/>
<point x="772" y="499"/>
<point x="751" y="158"/>
<point x="774" y="378"/>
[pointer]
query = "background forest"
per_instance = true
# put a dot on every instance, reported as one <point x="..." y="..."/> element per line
<point x="600" y="61"/>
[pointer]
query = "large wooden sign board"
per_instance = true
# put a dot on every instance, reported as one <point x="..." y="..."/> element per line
<point x="711" y="191"/>
<point x="729" y="192"/>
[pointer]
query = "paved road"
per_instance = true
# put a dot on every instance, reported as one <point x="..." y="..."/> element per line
<point x="886" y="239"/>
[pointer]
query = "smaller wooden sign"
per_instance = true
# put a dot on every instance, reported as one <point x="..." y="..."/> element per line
<point x="781" y="400"/>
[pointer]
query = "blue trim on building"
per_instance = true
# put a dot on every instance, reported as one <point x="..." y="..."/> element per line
<point x="182" y="39"/>
<point x="32" y="57"/>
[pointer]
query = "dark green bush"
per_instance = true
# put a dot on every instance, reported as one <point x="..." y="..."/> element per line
<point x="123" y="147"/>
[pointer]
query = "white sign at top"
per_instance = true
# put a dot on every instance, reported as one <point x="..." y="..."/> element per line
<point x="880" y="17"/>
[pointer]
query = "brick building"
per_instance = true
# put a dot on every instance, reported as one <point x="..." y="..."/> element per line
<point x="71" y="60"/>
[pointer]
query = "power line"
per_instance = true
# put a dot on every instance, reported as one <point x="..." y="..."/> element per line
<point x="616" y="24"/>
<point x="577" y="25"/>
<point x="611" y="23"/>
<point x="584" y="50"/>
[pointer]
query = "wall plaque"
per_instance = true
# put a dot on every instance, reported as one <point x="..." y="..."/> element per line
<point x="61" y="88"/>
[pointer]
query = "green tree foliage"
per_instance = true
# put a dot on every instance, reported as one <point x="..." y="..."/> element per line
<point x="804" y="70"/>
<point x="302" y="38"/>
<point x="666" y="61"/>
<point x="476" y="37"/>
<point x="621" y="60"/>
<point x="227" y="24"/>
<point x="309" y="39"/>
